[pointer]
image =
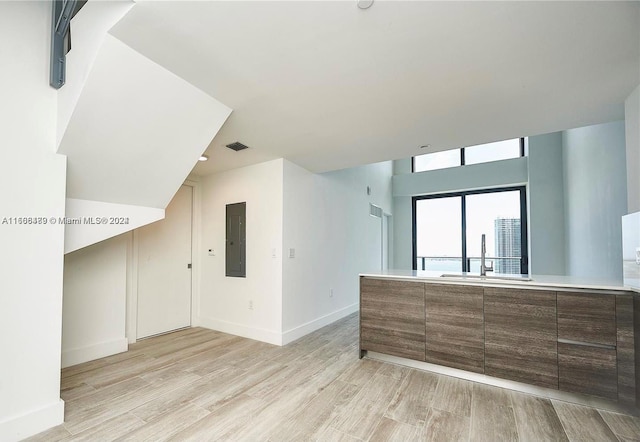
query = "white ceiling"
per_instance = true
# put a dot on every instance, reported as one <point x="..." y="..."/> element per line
<point x="329" y="86"/>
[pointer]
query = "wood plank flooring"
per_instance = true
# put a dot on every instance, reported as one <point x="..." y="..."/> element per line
<point x="199" y="385"/>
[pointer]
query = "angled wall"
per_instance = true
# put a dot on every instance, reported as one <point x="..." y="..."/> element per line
<point x="89" y="222"/>
<point x="131" y="130"/>
<point x="137" y="130"/>
<point x="89" y="29"/>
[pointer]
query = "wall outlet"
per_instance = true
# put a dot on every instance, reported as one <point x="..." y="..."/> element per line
<point x="330" y="293"/>
<point x="251" y="304"/>
<point x="292" y="253"/>
<point x="212" y="252"/>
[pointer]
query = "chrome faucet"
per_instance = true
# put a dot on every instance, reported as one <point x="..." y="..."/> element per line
<point x="483" y="251"/>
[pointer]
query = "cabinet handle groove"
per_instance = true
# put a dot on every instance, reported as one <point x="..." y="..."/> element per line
<point x="586" y="344"/>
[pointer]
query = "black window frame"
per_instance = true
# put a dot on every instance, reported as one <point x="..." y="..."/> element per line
<point x="524" y="245"/>
<point x="462" y="157"/>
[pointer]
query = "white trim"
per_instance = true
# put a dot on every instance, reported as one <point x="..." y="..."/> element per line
<point x="132" y="286"/>
<point x="132" y="267"/>
<point x="132" y="293"/>
<point x="258" y="334"/>
<point x="311" y="326"/>
<point x="196" y="259"/>
<point x="76" y="356"/>
<point x="28" y="424"/>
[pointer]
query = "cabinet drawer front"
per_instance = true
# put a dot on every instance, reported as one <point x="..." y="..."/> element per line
<point x="588" y="370"/>
<point x="587" y="317"/>
<point x="455" y="326"/>
<point x="392" y="317"/>
<point x="521" y="335"/>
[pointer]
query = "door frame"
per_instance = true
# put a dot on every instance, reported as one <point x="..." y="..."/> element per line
<point x="132" y="267"/>
<point x="387" y="221"/>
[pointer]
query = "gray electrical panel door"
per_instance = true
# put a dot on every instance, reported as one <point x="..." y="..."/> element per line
<point x="235" y="255"/>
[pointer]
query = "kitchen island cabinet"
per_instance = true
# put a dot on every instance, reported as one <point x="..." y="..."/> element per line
<point x="454" y="326"/>
<point x="392" y="317"/>
<point x="557" y="335"/>
<point x="521" y="337"/>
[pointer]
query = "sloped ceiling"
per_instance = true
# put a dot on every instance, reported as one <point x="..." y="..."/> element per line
<point x="136" y="130"/>
<point x="329" y="86"/>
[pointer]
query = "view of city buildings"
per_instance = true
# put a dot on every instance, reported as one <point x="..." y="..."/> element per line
<point x="507" y="245"/>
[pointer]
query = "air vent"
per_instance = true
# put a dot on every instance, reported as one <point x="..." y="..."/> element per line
<point x="375" y="210"/>
<point x="237" y="146"/>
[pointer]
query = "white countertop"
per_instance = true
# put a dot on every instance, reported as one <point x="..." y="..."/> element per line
<point x="514" y="281"/>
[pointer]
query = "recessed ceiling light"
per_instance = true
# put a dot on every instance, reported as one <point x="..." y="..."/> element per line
<point x="425" y="146"/>
<point x="203" y="158"/>
<point x="365" y="4"/>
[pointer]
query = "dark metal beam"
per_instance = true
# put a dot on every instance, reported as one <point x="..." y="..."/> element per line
<point x="62" y="13"/>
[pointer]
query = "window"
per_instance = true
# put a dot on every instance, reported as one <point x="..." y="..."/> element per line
<point x="482" y="153"/>
<point x="502" y="150"/>
<point x="437" y="160"/>
<point x="447" y="231"/>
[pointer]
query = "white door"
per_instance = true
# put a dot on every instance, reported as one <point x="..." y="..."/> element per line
<point x="164" y="274"/>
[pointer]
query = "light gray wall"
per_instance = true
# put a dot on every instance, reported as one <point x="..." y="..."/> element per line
<point x="402" y="166"/>
<point x="455" y="179"/>
<point x="546" y="205"/>
<point x="595" y="186"/>
<point x="632" y="133"/>
<point x="477" y="176"/>
<point x="402" y="233"/>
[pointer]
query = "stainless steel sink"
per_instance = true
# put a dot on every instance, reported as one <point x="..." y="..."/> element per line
<point x="488" y="277"/>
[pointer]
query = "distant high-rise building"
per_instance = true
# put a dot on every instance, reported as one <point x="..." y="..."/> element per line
<point x="507" y="237"/>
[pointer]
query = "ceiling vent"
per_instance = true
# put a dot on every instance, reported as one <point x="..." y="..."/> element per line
<point x="237" y="146"/>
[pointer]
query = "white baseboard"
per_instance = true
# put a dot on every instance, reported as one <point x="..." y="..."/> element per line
<point x="258" y="334"/>
<point x="272" y="337"/>
<point x="76" y="356"/>
<point x="26" y="425"/>
<point x="311" y="326"/>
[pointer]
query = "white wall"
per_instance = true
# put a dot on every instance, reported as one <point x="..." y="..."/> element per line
<point x="595" y="199"/>
<point x="632" y="133"/>
<point x="94" y="301"/>
<point x="32" y="183"/>
<point x="224" y="301"/>
<point x="327" y="222"/>
<point x="546" y="205"/>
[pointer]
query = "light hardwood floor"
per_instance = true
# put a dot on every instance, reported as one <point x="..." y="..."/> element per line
<point x="199" y="384"/>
